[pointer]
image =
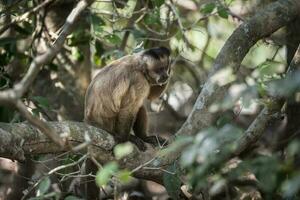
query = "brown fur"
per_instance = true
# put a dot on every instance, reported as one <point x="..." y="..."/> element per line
<point x="115" y="97"/>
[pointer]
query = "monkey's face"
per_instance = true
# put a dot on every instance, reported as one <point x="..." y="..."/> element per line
<point x="159" y="72"/>
<point x="158" y="65"/>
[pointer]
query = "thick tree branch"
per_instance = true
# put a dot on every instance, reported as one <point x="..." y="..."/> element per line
<point x="264" y="23"/>
<point x="19" y="139"/>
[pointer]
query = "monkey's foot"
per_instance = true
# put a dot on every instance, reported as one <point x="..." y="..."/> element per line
<point x="138" y="142"/>
<point x="156" y="140"/>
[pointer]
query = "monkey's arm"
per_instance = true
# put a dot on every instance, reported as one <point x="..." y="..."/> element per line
<point x="123" y="126"/>
<point x="140" y="128"/>
<point x="156" y="91"/>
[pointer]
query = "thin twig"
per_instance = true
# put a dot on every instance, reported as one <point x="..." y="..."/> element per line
<point x="12" y="96"/>
<point x="24" y="16"/>
<point x="143" y="165"/>
<point x="67" y="165"/>
<point x="41" y="125"/>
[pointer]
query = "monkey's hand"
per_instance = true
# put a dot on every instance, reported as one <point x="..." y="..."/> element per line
<point x="138" y="142"/>
<point x="156" y="141"/>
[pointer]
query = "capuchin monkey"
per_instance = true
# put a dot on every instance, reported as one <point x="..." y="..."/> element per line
<point x="114" y="99"/>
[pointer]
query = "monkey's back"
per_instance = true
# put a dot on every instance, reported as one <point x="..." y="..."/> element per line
<point x="117" y="88"/>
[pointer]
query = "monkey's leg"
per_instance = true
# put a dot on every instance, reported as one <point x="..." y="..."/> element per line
<point x="140" y="128"/>
<point x="124" y="124"/>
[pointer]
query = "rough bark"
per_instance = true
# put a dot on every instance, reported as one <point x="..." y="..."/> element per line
<point x="19" y="139"/>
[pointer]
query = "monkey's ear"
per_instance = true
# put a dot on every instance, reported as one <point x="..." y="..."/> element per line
<point x="158" y="52"/>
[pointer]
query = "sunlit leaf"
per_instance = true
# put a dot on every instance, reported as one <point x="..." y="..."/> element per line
<point x="122" y="150"/>
<point x="124" y="176"/>
<point x="208" y="8"/>
<point x="44" y="186"/>
<point x="77" y="54"/>
<point x="104" y="174"/>
<point x="222" y="12"/>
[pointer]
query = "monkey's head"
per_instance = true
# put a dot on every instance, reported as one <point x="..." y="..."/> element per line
<point x="156" y="65"/>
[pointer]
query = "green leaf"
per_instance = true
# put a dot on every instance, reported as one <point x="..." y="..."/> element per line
<point x="227" y="2"/>
<point x="158" y="3"/>
<point x="44" y="186"/>
<point x="97" y="23"/>
<point x="97" y="60"/>
<point x="152" y="18"/>
<point x="72" y="198"/>
<point x="266" y="170"/>
<point x="124" y="176"/>
<point x="99" y="47"/>
<point x="172" y="182"/>
<point x="41" y="101"/>
<point x="103" y="175"/>
<point x="122" y="150"/>
<point x="293" y="148"/>
<point x="222" y="12"/>
<point x="7" y="40"/>
<point x="113" y="39"/>
<point x="291" y="186"/>
<point x="208" y="8"/>
<point x="77" y="54"/>
<point x="189" y="156"/>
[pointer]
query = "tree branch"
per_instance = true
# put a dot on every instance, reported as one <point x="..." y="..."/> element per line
<point x="19" y="139"/>
<point x="24" y="16"/>
<point x="256" y="129"/>
<point x="264" y="23"/>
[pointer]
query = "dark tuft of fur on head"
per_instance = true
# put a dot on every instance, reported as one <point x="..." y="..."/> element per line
<point x="158" y="52"/>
